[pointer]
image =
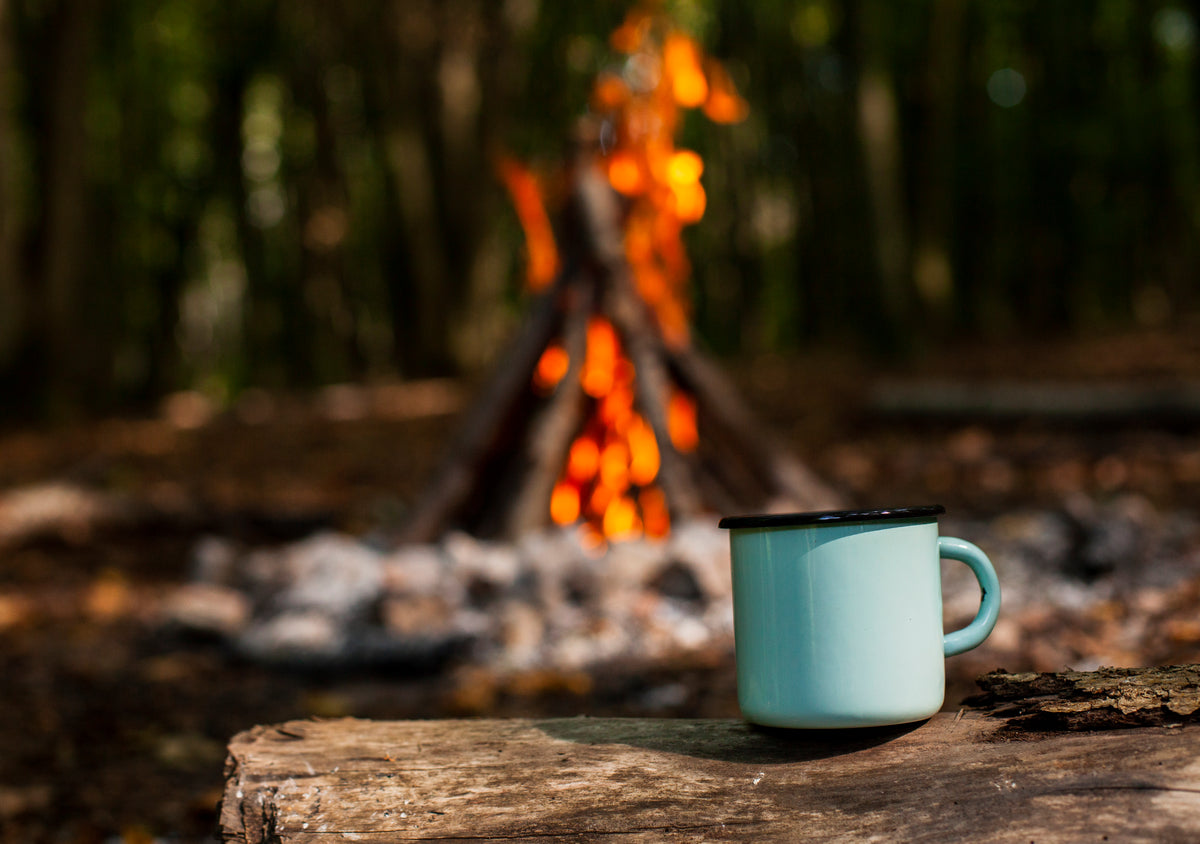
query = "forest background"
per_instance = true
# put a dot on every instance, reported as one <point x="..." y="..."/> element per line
<point x="213" y="196"/>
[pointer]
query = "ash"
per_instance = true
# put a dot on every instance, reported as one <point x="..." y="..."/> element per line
<point x="542" y="602"/>
<point x="1085" y="584"/>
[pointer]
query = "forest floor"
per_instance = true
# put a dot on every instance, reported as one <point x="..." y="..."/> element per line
<point x="112" y="731"/>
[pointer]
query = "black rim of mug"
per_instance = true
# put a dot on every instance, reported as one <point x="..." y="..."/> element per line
<point x="825" y="517"/>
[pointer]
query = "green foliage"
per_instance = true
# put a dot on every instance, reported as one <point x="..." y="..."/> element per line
<point x="298" y="193"/>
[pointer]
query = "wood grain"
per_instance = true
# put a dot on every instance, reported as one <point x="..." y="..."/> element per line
<point x="958" y="777"/>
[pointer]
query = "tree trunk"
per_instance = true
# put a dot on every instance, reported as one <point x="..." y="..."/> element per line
<point x="12" y="305"/>
<point x="323" y="206"/>
<point x="879" y="133"/>
<point x="933" y="262"/>
<point x="263" y="319"/>
<point x="480" y="326"/>
<point x="446" y="106"/>
<point x="64" y="244"/>
<point x="411" y="152"/>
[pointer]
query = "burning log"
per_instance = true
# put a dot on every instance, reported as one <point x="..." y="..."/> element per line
<point x="601" y="412"/>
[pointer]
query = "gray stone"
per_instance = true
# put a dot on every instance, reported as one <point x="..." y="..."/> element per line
<point x="332" y="574"/>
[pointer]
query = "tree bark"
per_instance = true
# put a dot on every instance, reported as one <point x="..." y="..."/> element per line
<point x="1094" y="700"/>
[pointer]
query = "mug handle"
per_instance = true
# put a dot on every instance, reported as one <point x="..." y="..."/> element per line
<point x="973" y="634"/>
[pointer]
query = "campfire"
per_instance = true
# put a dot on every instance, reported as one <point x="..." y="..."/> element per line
<point x="603" y="414"/>
<point x="571" y="525"/>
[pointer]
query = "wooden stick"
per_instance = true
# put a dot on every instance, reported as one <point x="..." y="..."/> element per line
<point x="652" y="386"/>
<point x="484" y="422"/>
<point x="723" y="406"/>
<point x="725" y="463"/>
<point x="600" y="216"/>
<point x="550" y="436"/>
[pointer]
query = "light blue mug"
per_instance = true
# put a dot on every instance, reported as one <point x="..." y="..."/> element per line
<point x="838" y="615"/>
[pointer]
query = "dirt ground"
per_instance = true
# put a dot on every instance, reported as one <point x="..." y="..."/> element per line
<point x="113" y="731"/>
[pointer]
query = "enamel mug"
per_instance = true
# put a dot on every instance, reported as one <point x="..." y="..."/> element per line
<point x="838" y="615"/>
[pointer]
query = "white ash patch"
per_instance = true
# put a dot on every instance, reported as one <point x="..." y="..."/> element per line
<point x="543" y="602"/>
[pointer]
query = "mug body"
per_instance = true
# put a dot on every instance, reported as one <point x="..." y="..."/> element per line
<point x="839" y="624"/>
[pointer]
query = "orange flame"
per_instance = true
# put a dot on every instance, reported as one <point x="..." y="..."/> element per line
<point x="655" y="519"/>
<point x="681" y="422"/>
<point x="600" y="359"/>
<point x="621" y="520"/>
<point x="564" y="503"/>
<point x="583" y="460"/>
<point x="681" y="60"/>
<point x="609" y="93"/>
<point x="644" y="458"/>
<point x="625" y="173"/>
<point x="608" y="479"/>
<point x="633" y="31"/>
<point x="662" y="182"/>
<point x="551" y="368"/>
<point x="526" y="195"/>
<point x="723" y="104"/>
